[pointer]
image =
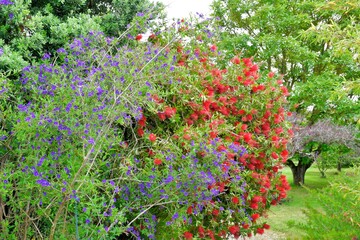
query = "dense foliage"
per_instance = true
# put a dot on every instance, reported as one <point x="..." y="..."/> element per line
<point x="146" y="139"/>
<point x="29" y="29"/>
<point x="339" y="216"/>
<point x="313" y="44"/>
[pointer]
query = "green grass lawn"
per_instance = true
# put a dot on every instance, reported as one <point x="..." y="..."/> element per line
<point x="291" y="210"/>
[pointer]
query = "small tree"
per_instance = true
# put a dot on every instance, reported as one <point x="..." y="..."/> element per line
<point x="306" y="152"/>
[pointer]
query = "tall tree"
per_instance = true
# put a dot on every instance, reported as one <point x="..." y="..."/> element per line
<point x="278" y="34"/>
<point x="29" y="29"/>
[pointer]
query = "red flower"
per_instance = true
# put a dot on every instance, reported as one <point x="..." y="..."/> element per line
<point x="284" y="153"/>
<point x="235" y="200"/>
<point x="162" y="116"/>
<point x="189" y="210"/>
<point x="142" y="121"/>
<point x="260" y="231"/>
<point x="188" y="235"/>
<point x="152" y="137"/>
<point x="235" y="60"/>
<point x="215" y="212"/>
<point x="234" y="229"/>
<point x="201" y="232"/>
<point x="247" y="137"/>
<point x="213" y="48"/>
<point x="254" y="205"/>
<point x="157" y="161"/>
<point x="266" y="226"/>
<point x="140" y="132"/>
<point x="187" y="136"/>
<point x="169" y="111"/>
<point x="255" y="216"/>
<point x="246" y="226"/>
<point x="138" y="37"/>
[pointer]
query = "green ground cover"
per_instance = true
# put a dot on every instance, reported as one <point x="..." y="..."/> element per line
<point x="291" y="210"/>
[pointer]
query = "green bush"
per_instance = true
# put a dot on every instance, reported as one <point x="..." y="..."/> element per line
<point x="339" y="216"/>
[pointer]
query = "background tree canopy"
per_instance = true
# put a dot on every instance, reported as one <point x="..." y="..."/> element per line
<point x="29" y="29"/>
<point x="311" y="43"/>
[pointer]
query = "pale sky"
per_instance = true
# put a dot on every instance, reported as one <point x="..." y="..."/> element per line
<point x="182" y="8"/>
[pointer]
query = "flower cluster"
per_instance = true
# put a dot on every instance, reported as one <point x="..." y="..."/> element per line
<point x="148" y="138"/>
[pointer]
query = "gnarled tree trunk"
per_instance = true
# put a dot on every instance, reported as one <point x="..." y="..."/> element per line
<point x="299" y="171"/>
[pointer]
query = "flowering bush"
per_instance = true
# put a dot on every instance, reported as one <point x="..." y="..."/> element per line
<point x="152" y="140"/>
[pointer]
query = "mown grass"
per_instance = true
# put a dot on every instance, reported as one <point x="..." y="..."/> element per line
<point x="291" y="210"/>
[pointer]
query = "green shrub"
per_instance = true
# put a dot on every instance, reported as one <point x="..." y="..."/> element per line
<point x="339" y="216"/>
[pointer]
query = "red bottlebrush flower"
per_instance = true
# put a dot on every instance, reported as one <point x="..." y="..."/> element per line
<point x="213" y="135"/>
<point x="271" y="74"/>
<point x="260" y="231"/>
<point x="186" y="136"/>
<point x="247" y="137"/>
<point x="162" y="116"/>
<point x="152" y="137"/>
<point x="213" y="48"/>
<point x="284" y="91"/>
<point x="189" y="122"/>
<point x="215" y="212"/>
<point x="210" y="234"/>
<point x="203" y="60"/>
<point x="201" y="231"/>
<point x="256" y="199"/>
<point x="235" y="60"/>
<point x="151" y="152"/>
<point x="278" y="130"/>
<point x="245" y="226"/>
<point x="221" y="148"/>
<point x="142" y="121"/>
<point x="254" y="205"/>
<point x="181" y="63"/>
<point x="284" y="153"/>
<point x="234" y="229"/>
<point x="235" y="200"/>
<point x="189" y="210"/>
<point x="140" y="132"/>
<point x="274" y="155"/>
<point x="255" y="216"/>
<point x="247" y="62"/>
<point x="266" y="226"/>
<point x="254" y="68"/>
<point x="188" y="235"/>
<point x="194" y="116"/>
<point x="138" y="37"/>
<point x="169" y="112"/>
<point x="157" y="161"/>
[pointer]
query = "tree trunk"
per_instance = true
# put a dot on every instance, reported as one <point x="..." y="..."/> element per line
<point x="339" y="166"/>
<point x="299" y="171"/>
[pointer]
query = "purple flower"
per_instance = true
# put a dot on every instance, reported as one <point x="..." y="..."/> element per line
<point x="91" y="141"/>
<point x="46" y="56"/>
<point x="43" y="183"/>
<point x="1" y="52"/>
<point x="5" y="2"/>
<point x="175" y="216"/>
